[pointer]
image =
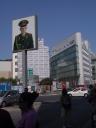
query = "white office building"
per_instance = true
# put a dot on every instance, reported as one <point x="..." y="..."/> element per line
<point x="37" y="62"/>
<point x="71" y="61"/>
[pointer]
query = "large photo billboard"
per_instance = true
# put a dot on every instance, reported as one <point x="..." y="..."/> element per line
<point x="24" y="34"/>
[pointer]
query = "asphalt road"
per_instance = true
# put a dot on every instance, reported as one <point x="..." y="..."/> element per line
<point x="49" y="110"/>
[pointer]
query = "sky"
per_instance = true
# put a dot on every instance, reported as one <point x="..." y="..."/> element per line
<point x="57" y="19"/>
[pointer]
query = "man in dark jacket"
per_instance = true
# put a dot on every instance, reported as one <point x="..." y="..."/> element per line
<point x="24" y="40"/>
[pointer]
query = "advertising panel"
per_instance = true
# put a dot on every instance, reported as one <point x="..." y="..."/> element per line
<point x="24" y="34"/>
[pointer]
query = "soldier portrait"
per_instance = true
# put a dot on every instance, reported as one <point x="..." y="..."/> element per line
<point x="23" y="40"/>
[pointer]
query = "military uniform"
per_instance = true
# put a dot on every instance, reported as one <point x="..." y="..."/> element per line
<point x="23" y="41"/>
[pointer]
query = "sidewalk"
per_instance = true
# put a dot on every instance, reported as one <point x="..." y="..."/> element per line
<point x="36" y="105"/>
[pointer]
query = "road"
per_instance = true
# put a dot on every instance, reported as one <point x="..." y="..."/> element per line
<point x="49" y="110"/>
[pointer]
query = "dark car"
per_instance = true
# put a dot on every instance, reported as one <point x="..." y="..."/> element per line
<point x="8" y="97"/>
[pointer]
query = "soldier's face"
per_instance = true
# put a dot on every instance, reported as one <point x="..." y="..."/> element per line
<point x="23" y="29"/>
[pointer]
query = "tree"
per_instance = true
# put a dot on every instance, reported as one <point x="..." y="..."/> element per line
<point x="2" y="79"/>
<point x="8" y="80"/>
<point x="13" y="81"/>
<point x="46" y="81"/>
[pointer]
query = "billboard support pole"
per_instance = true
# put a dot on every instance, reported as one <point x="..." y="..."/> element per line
<point x="24" y="67"/>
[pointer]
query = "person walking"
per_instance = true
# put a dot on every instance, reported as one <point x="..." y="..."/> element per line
<point x="29" y="115"/>
<point x="92" y="101"/>
<point x="25" y="89"/>
<point x="66" y="105"/>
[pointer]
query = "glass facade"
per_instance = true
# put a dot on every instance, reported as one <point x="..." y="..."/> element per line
<point x="94" y="69"/>
<point x="65" y="65"/>
<point x="71" y="61"/>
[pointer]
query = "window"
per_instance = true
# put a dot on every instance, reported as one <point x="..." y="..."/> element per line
<point x="83" y="89"/>
<point x="16" y="63"/>
<point x="77" y="89"/>
<point x="16" y="69"/>
<point x="16" y="56"/>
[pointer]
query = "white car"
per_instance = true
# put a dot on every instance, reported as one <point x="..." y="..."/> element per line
<point x="79" y="91"/>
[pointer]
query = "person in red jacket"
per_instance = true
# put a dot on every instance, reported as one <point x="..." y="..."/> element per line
<point x="63" y="86"/>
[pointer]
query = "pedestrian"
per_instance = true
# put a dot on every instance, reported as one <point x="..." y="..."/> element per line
<point x="5" y="119"/>
<point x="63" y="85"/>
<point x="66" y="106"/>
<point x="92" y="95"/>
<point x="35" y="94"/>
<point x="24" y="40"/>
<point x="25" y="89"/>
<point x="92" y="101"/>
<point x="29" y="115"/>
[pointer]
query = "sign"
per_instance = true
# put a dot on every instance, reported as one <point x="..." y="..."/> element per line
<point x="30" y="72"/>
<point x="24" y="34"/>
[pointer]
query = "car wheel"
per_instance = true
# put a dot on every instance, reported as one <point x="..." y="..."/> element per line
<point x="85" y="95"/>
<point x="70" y="94"/>
<point x="4" y="104"/>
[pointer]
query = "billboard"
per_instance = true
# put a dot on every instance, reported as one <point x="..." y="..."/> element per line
<point x="24" y="34"/>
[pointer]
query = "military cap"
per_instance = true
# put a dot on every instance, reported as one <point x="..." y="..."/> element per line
<point x="23" y="23"/>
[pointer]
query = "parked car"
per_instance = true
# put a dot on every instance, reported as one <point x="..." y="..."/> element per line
<point x="8" y="97"/>
<point x="79" y="91"/>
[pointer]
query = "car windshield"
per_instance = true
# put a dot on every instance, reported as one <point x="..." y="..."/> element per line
<point x="2" y="93"/>
<point x="70" y="89"/>
<point x="83" y="89"/>
<point x="77" y="89"/>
